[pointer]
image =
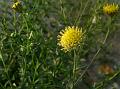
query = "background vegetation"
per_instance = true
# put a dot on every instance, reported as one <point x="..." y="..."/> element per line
<point x="31" y="59"/>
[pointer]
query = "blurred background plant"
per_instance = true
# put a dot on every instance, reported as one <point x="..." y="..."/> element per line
<point x="30" y="57"/>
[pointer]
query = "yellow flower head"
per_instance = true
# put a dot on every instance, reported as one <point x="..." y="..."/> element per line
<point x="70" y="38"/>
<point x="110" y="8"/>
<point x="17" y="6"/>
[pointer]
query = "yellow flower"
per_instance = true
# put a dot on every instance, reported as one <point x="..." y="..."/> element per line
<point x="17" y="6"/>
<point x="70" y="38"/>
<point x="110" y="8"/>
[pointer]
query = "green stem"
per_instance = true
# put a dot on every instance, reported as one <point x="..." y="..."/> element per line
<point x="74" y="68"/>
<point x="14" y="22"/>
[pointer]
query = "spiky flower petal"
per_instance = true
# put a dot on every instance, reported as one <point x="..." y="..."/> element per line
<point x="70" y="38"/>
<point x="110" y="8"/>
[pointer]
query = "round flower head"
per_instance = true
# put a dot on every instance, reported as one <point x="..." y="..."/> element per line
<point x="70" y="38"/>
<point x="17" y="6"/>
<point x="110" y="8"/>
